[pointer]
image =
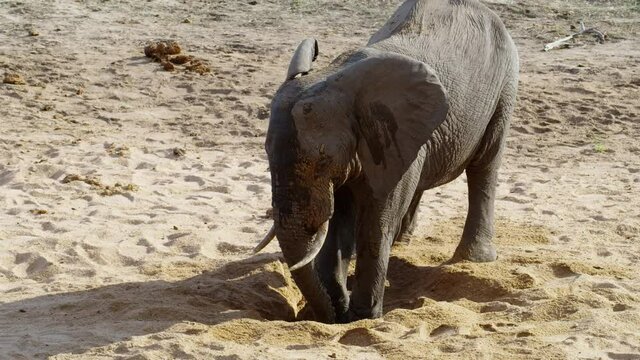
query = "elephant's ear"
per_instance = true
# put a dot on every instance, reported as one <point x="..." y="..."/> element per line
<point x="305" y="55"/>
<point x="398" y="103"/>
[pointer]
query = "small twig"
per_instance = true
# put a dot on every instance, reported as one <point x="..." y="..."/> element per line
<point x="599" y="34"/>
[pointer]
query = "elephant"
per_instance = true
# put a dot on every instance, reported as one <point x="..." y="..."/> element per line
<point x="353" y="146"/>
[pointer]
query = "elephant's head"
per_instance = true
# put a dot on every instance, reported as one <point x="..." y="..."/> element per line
<point x="365" y="117"/>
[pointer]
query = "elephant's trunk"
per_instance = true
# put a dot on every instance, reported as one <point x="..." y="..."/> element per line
<point x="315" y="294"/>
<point x="301" y="241"/>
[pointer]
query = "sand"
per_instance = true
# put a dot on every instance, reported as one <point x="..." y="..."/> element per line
<point x="132" y="196"/>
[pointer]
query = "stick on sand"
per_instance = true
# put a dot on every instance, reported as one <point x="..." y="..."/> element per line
<point x="599" y="34"/>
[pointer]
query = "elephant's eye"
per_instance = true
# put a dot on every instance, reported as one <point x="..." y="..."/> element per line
<point x="310" y="229"/>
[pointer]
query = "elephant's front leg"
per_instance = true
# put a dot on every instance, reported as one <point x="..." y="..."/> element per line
<point x="378" y="223"/>
<point x="409" y="220"/>
<point x="333" y="261"/>
<point x="374" y="236"/>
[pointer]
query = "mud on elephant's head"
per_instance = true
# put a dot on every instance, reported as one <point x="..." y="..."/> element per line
<point x="363" y="117"/>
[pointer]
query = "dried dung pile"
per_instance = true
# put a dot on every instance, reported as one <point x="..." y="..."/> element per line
<point x="167" y="53"/>
<point x="13" y="79"/>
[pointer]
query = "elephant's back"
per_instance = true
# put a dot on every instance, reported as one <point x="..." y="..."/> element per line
<point x="429" y="17"/>
<point x="455" y="37"/>
<point x="474" y="58"/>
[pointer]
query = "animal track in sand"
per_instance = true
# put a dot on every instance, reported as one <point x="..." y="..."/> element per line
<point x="150" y="248"/>
<point x="249" y="230"/>
<point x="256" y="189"/>
<point x="223" y="189"/>
<point x="53" y="228"/>
<point x="196" y="179"/>
<point x="232" y="249"/>
<point x="562" y="270"/>
<point x="33" y="266"/>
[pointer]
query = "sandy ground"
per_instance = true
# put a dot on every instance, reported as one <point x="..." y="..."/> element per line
<point x="131" y="196"/>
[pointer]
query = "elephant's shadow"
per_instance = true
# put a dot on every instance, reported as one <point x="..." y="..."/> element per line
<point x="75" y="322"/>
<point x="252" y="288"/>
<point x="408" y="283"/>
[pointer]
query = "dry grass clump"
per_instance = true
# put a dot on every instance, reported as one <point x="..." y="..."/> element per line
<point x="167" y="53"/>
<point x="103" y="190"/>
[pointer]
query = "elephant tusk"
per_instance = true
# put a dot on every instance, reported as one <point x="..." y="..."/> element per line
<point x="267" y="239"/>
<point x="320" y="236"/>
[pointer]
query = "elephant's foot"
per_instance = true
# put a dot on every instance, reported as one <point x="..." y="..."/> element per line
<point x="402" y="239"/>
<point x="476" y="252"/>
<point x="342" y="311"/>
<point x="307" y="314"/>
<point x="355" y="316"/>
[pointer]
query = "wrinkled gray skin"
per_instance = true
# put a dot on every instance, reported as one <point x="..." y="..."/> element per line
<point x="354" y="146"/>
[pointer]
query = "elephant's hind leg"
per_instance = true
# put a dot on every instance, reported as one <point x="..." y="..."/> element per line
<point x="333" y="261"/>
<point x="482" y="174"/>
<point x="476" y="243"/>
<point x="409" y="220"/>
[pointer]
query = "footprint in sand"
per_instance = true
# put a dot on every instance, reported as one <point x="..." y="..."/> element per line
<point x="540" y="130"/>
<point x="33" y="266"/>
<point x="7" y="176"/>
<point x="256" y="189"/>
<point x="562" y="270"/>
<point x="195" y="179"/>
<point x="249" y="230"/>
<point x="223" y="189"/>
<point x="51" y="227"/>
<point x="145" y="166"/>
<point x="150" y="248"/>
<point x="232" y="249"/>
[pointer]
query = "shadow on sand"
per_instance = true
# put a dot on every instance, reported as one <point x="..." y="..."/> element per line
<point x="252" y="288"/>
<point x="241" y="289"/>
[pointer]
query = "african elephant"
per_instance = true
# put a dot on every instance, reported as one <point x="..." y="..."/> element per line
<point x="353" y="146"/>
